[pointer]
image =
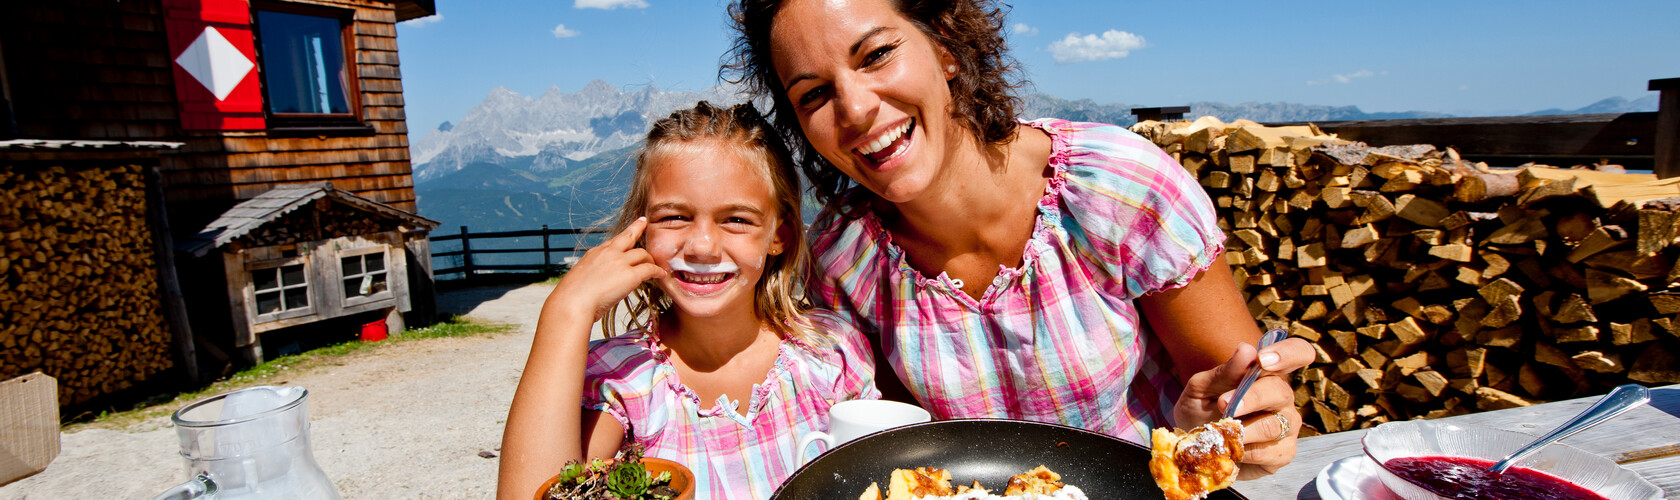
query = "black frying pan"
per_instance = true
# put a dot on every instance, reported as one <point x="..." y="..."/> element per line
<point x="987" y="450"/>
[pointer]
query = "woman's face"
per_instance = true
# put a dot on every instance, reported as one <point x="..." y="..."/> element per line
<point x="711" y="222"/>
<point x="869" y="90"/>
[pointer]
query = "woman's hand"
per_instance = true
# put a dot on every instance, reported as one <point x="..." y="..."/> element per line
<point x="1270" y="421"/>
<point x="606" y="274"/>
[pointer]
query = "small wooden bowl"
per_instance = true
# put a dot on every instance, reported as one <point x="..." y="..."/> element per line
<point x="682" y="479"/>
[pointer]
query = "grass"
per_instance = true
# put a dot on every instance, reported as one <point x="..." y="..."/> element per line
<point x="270" y="371"/>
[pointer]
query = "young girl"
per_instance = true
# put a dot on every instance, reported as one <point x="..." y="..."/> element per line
<point x="723" y="367"/>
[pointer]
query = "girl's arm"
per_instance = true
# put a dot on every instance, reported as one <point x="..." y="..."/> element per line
<point x="1207" y="330"/>
<point x="546" y="424"/>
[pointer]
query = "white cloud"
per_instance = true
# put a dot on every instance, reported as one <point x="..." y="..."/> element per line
<point x="1345" y="78"/>
<point x="1113" y="44"/>
<point x="419" y="22"/>
<point x="1023" y="29"/>
<point x="560" y="31"/>
<point x="609" y="4"/>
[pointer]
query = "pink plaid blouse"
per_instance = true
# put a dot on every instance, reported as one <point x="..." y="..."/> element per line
<point x="735" y="450"/>
<point x="1057" y="339"/>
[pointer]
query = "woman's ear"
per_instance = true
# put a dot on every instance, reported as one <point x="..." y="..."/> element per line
<point x="948" y="63"/>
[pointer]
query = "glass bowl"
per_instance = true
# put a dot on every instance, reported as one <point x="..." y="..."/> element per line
<point x="1422" y="438"/>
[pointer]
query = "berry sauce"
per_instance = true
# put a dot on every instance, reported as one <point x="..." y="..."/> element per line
<point x="1469" y="479"/>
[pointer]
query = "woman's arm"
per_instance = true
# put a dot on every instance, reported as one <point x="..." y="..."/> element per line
<point x="546" y="425"/>
<point x="1202" y="322"/>
<point x="1207" y="330"/>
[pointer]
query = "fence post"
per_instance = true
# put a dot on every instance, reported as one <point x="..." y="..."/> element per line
<point x="1667" y="154"/>
<point x="466" y="254"/>
<point x="545" y="248"/>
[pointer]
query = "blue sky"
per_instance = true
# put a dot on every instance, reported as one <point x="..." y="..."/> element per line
<point x="1463" y="57"/>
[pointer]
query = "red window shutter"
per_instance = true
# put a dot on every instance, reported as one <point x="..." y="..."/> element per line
<point x="214" y="57"/>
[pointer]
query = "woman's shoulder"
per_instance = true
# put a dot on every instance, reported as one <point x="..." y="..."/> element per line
<point x="1091" y="146"/>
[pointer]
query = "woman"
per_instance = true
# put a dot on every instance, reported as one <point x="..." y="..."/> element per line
<point x="1006" y="269"/>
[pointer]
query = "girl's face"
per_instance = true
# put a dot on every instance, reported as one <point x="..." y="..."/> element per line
<point x="869" y="90"/>
<point x="711" y="222"/>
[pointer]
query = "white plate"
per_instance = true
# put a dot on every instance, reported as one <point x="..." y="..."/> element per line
<point x="1352" y="478"/>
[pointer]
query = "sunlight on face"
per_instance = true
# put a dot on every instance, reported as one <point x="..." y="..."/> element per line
<point x="711" y="223"/>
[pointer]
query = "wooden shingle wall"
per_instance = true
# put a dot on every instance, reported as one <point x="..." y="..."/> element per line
<point x="97" y="69"/>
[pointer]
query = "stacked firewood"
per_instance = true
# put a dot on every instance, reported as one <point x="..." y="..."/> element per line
<point x="1431" y="286"/>
<point x="78" y="279"/>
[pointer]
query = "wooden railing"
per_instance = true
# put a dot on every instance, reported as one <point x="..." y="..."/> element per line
<point x="469" y="267"/>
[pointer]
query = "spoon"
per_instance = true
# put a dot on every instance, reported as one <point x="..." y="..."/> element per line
<point x="1269" y="338"/>
<point x="1615" y="403"/>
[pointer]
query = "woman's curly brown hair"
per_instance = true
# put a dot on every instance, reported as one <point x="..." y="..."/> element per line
<point x="982" y="97"/>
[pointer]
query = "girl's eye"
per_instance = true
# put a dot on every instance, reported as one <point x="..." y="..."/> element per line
<point x="670" y="218"/>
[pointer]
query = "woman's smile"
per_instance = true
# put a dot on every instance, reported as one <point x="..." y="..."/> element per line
<point x="887" y="147"/>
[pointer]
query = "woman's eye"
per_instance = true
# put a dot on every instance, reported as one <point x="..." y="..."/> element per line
<point x="876" y="55"/>
<point x="812" y="96"/>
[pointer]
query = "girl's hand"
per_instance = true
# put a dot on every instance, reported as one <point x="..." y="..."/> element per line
<point x="606" y="274"/>
<point x="1270" y="421"/>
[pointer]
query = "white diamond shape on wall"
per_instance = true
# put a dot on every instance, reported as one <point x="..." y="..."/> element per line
<point x="215" y="62"/>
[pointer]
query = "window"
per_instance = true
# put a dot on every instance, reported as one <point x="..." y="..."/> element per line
<point x="308" y="75"/>
<point x="280" y="289"/>
<point x="364" y="275"/>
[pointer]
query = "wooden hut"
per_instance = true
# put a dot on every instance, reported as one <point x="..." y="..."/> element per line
<point x="304" y="253"/>
<point x="250" y="94"/>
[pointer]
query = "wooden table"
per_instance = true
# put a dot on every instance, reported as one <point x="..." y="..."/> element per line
<point x="1645" y="440"/>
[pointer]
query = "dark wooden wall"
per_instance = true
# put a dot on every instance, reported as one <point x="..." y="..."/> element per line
<point x="100" y="69"/>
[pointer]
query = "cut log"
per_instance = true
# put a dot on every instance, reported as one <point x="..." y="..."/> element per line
<point x="1421" y="211"/>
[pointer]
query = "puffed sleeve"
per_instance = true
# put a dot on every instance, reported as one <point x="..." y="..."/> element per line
<point x="619" y="381"/>
<point x="854" y="361"/>
<point x="1134" y="211"/>
<point x="849" y="271"/>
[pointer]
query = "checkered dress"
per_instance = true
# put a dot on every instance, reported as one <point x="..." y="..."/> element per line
<point x="1058" y="339"/>
<point x="736" y="451"/>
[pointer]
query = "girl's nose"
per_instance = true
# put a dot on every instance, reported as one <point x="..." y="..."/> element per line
<point x="702" y="242"/>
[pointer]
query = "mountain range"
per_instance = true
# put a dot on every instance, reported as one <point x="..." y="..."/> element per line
<point x="516" y="162"/>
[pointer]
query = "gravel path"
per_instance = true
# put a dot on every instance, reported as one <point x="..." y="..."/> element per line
<point x="407" y="420"/>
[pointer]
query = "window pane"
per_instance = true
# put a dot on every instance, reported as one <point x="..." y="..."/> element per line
<point x="264" y="279"/>
<point x="297" y="298"/>
<point x="292" y="275"/>
<point x="378" y="280"/>
<point x="353" y="287"/>
<point x="303" y="63"/>
<point x="268" y="303"/>
<point x="375" y="261"/>
<point x="351" y="265"/>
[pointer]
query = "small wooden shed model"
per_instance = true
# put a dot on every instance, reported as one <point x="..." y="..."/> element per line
<point x="304" y="253"/>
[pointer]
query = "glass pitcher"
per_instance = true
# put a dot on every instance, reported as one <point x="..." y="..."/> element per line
<point x="250" y="443"/>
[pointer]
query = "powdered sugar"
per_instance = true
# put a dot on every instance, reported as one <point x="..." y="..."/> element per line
<point x="1066" y="493"/>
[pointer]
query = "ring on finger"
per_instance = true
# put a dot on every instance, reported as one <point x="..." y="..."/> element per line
<point x="1283" y="426"/>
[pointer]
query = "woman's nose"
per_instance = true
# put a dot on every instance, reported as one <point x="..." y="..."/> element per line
<point x="858" y="103"/>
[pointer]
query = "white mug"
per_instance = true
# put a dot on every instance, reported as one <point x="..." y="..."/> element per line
<point x="853" y="419"/>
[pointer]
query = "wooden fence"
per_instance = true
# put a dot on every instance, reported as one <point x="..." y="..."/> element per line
<point x="469" y="267"/>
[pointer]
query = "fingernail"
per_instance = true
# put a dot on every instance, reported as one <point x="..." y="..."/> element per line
<point x="642" y="219"/>
<point x="1268" y="359"/>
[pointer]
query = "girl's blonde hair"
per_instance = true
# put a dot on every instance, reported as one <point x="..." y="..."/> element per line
<point x="741" y="126"/>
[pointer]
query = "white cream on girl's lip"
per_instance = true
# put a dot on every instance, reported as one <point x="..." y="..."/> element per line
<point x="678" y="264"/>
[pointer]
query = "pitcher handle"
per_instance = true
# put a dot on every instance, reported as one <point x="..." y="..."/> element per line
<point x="812" y="437"/>
<point x="200" y="486"/>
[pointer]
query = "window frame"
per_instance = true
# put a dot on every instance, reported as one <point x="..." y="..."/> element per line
<point x="338" y="261"/>
<point x="258" y="317"/>
<point x="306" y="124"/>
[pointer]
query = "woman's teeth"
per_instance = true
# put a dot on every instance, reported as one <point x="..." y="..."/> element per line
<point x="881" y="143"/>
